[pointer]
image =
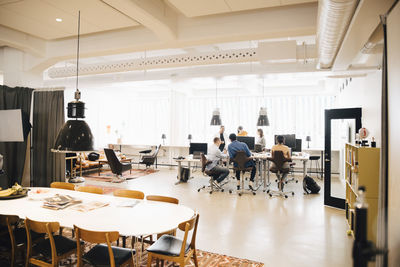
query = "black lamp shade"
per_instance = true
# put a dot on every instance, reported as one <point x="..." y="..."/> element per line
<point x="216" y="118"/>
<point x="75" y="135"/>
<point x="190" y="137"/>
<point x="163" y="136"/>
<point x="263" y="118"/>
<point x="308" y="138"/>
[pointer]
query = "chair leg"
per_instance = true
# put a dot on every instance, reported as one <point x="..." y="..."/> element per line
<point x="195" y="259"/>
<point x="149" y="259"/>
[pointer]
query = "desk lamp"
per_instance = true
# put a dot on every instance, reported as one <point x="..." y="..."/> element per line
<point x="190" y="138"/>
<point x="163" y="137"/>
<point x="308" y="139"/>
<point x="75" y="136"/>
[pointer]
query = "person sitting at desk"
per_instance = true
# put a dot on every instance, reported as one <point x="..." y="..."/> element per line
<point x="260" y="139"/>
<point x="215" y="155"/>
<point x="285" y="149"/>
<point x="241" y="132"/>
<point x="233" y="148"/>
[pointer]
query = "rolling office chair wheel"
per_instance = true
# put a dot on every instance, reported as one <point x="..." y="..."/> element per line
<point x="240" y="194"/>
<point x="268" y="191"/>
<point x="276" y="180"/>
<point x="230" y="191"/>
<point x="297" y="181"/>
<point x="286" y="196"/>
<point x="210" y="192"/>
<point x="254" y="193"/>
<point x="285" y="182"/>
<point x="270" y="195"/>
<point x="222" y="190"/>
<point x="292" y="193"/>
<point x="198" y="190"/>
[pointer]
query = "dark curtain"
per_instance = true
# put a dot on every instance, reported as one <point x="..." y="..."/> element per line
<point x="48" y="118"/>
<point x="15" y="152"/>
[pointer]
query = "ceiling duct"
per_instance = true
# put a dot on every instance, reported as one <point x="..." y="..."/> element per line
<point x="334" y="17"/>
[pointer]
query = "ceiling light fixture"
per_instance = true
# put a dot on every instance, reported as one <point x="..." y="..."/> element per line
<point x="263" y="117"/>
<point x="75" y="135"/>
<point x="216" y="118"/>
<point x="58" y="19"/>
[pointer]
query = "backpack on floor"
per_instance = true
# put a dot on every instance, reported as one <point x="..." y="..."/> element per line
<point x="310" y="186"/>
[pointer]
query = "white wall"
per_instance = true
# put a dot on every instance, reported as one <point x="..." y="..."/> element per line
<point x="393" y="46"/>
<point x="365" y="92"/>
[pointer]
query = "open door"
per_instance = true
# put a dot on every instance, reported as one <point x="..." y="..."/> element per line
<point x="341" y="125"/>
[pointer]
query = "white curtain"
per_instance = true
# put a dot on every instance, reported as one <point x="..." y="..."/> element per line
<point x="134" y="118"/>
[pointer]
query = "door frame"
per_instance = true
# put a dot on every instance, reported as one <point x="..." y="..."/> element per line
<point x="331" y="114"/>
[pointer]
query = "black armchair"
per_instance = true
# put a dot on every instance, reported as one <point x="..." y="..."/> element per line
<point x="116" y="166"/>
<point x="149" y="160"/>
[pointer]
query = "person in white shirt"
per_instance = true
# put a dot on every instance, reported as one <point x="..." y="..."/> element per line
<point x="215" y="155"/>
<point x="260" y="139"/>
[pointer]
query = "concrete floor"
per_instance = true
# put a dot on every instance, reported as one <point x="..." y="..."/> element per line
<point x="298" y="231"/>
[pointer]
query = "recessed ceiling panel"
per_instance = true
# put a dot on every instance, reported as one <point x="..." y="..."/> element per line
<point x="195" y="8"/>
<point x="38" y="17"/>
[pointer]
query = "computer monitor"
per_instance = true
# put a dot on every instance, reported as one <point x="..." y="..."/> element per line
<point x="195" y="148"/>
<point x="298" y="146"/>
<point x="290" y="140"/>
<point x="248" y="140"/>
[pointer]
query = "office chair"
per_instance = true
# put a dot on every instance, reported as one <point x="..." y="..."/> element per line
<point x="213" y="176"/>
<point x="149" y="160"/>
<point x="116" y="166"/>
<point x="291" y="171"/>
<point x="241" y="159"/>
<point x="279" y="159"/>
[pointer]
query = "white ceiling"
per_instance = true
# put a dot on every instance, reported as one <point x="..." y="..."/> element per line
<point x="195" y="8"/>
<point x="38" y="17"/>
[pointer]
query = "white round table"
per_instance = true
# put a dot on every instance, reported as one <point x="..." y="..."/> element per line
<point x="145" y="218"/>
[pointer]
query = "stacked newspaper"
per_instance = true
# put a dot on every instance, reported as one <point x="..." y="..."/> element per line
<point x="58" y="202"/>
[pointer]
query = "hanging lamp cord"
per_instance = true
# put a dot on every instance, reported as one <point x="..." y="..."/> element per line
<point x="77" y="52"/>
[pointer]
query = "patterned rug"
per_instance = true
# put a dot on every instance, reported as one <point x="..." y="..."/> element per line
<point x="108" y="176"/>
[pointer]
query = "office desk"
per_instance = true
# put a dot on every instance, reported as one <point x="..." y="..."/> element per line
<point x="188" y="160"/>
<point x="263" y="165"/>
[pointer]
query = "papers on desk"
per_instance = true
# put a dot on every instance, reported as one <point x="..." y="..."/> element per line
<point x="58" y="202"/>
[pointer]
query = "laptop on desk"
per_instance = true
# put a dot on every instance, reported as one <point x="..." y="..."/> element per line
<point x="258" y="148"/>
<point x="197" y="154"/>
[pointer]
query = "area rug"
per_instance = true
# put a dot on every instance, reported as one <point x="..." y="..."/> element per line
<point x="108" y="176"/>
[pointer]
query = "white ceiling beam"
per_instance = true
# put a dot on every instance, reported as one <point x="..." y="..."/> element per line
<point x="153" y="14"/>
<point x="22" y="41"/>
<point x="235" y="27"/>
<point x="363" y="24"/>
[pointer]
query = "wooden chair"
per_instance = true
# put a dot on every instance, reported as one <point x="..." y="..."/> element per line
<point x="173" y="249"/>
<point x="171" y="200"/>
<point x="13" y="238"/>
<point x="62" y="185"/>
<point x="90" y="189"/>
<point x="56" y="247"/>
<point x="129" y="193"/>
<point x="102" y="255"/>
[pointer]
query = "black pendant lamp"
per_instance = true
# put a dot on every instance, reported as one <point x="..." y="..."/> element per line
<point x="263" y="116"/>
<point x="216" y="117"/>
<point x="75" y="135"/>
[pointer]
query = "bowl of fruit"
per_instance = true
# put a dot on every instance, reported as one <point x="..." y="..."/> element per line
<point x="16" y="191"/>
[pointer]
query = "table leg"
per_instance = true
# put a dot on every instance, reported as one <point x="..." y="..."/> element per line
<point x="268" y="167"/>
<point x="180" y="170"/>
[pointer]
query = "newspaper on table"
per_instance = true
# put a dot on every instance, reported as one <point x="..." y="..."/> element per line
<point x="58" y="202"/>
<point x="85" y="207"/>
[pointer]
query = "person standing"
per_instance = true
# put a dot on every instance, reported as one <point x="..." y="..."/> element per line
<point x="241" y="132"/>
<point x="233" y="148"/>
<point x="222" y="136"/>
<point x="260" y="138"/>
<point x="215" y="155"/>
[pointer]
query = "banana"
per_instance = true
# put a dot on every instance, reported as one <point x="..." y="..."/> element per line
<point x="7" y="192"/>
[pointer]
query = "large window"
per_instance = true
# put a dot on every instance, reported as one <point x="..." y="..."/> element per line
<point x="136" y="115"/>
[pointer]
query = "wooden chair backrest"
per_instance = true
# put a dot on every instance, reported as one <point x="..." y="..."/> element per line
<point x="96" y="238"/>
<point x="163" y="199"/>
<point x="186" y="227"/>
<point x="62" y="185"/>
<point x="42" y="227"/>
<point x="6" y="220"/>
<point x="90" y="189"/>
<point x="129" y="193"/>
